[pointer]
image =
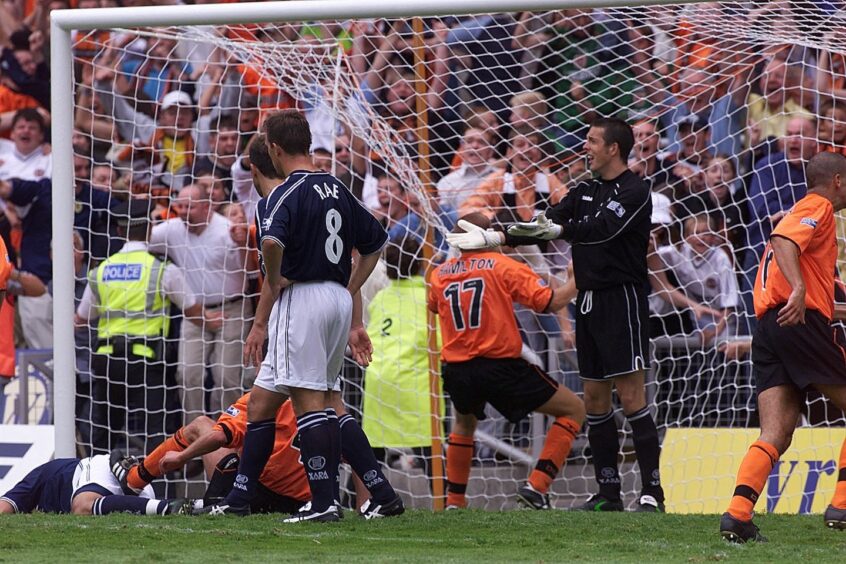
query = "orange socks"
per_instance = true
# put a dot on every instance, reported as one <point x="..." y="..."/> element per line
<point x="751" y="478"/>
<point x="148" y="470"/>
<point x="458" y="459"/>
<point x="839" y="500"/>
<point x="559" y="439"/>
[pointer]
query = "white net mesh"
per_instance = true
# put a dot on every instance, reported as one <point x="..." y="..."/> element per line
<point x="728" y="100"/>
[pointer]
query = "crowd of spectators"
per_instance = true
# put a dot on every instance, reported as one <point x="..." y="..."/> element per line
<point x="723" y="128"/>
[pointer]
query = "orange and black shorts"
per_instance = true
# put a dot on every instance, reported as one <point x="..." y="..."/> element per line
<point x="799" y="355"/>
<point x="512" y="386"/>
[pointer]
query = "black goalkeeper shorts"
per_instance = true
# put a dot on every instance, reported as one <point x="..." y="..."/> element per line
<point x="612" y="331"/>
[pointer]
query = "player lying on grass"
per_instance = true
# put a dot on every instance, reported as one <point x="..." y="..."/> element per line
<point x="282" y="486"/>
<point x="793" y="346"/>
<point x="474" y="297"/>
<point x="83" y="487"/>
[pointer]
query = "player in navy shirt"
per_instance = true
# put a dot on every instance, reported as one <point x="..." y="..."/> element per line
<point x="318" y="249"/>
<point x="308" y="227"/>
<point x="85" y="486"/>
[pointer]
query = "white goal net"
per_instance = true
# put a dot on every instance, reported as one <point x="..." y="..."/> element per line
<point x="471" y="113"/>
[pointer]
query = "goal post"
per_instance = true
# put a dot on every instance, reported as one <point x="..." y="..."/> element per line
<point x="713" y="90"/>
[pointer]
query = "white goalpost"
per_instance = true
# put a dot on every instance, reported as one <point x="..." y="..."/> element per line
<point x="432" y="109"/>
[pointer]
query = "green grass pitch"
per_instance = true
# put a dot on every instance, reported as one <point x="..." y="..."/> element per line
<point x="417" y="536"/>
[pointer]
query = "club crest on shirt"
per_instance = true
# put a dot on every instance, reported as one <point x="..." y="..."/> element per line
<point x="809" y="221"/>
<point x="617" y="208"/>
<point x="39" y="172"/>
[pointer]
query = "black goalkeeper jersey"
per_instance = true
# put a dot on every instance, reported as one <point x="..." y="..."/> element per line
<point x="608" y="224"/>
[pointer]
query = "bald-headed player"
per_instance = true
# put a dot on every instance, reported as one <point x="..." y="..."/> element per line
<point x="474" y="297"/>
<point x="793" y="347"/>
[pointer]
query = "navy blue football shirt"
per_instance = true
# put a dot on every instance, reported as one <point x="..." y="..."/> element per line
<point x="47" y="488"/>
<point x="318" y="222"/>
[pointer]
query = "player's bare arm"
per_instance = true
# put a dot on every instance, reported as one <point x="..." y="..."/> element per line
<point x="360" y="345"/>
<point x="563" y="295"/>
<point x="253" y="346"/>
<point x="787" y="257"/>
<point x="361" y="271"/>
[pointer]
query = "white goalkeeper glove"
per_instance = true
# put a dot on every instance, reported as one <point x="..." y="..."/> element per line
<point x="539" y="228"/>
<point x="475" y="237"/>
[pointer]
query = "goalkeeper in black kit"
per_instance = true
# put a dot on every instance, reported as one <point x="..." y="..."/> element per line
<point x="607" y="221"/>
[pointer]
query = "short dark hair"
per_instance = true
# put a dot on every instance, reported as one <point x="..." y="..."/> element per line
<point x="226" y="121"/>
<point x="402" y="258"/>
<point x="260" y="157"/>
<point x="615" y="130"/>
<point x="822" y="168"/>
<point x="289" y="130"/>
<point x="30" y="114"/>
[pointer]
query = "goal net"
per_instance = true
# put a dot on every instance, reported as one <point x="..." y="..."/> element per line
<point x="484" y="113"/>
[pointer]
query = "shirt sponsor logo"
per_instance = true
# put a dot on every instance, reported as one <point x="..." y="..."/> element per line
<point x="233" y="411"/>
<point x="809" y="221"/>
<point x="587" y="198"/>
<point x="122" y="272"/>
<point x="617" y="208"/>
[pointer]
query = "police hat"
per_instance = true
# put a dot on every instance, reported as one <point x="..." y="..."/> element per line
<point x="134" y="211"/>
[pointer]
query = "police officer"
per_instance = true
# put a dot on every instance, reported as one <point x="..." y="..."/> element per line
<point x="130" y="294"/>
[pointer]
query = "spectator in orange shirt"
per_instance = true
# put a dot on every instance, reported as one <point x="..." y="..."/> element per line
<point x="5" y="270"/>
<point x="524" y="188"/>
<point x="11" y="101"/>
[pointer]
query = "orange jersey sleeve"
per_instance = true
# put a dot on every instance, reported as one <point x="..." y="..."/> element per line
<point x="474" y="297"/>
<point x="283" y="473"/>
<point x="233" y="422"/>
<point x="810" y="225"/>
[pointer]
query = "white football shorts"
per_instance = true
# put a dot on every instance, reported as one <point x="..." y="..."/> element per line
<point x="307" y="333"/>
<point x="95" y="470"/>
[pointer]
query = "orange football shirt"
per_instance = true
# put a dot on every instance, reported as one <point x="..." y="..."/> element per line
<point x="284" y="473"/>
<point x="810" y="225"/>
<point x="474" y="297"/>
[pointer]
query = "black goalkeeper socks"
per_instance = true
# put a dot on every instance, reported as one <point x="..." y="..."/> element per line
<point x="605" y="447"/>
<point x="648" y="452"/>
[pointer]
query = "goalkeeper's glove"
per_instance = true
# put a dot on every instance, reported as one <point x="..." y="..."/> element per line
<point x="475" y="237"/>
<point x="539" y="228"/>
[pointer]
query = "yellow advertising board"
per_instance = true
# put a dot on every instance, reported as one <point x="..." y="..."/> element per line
<point x="698" y="469"/>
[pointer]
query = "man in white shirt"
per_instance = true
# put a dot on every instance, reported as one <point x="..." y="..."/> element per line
<point x="199" y="241"/>
<point x="704" y="273"/>
<point x="24" y="155"/>
<point x="131" y="300"/>
<point x="475" y="152"/>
